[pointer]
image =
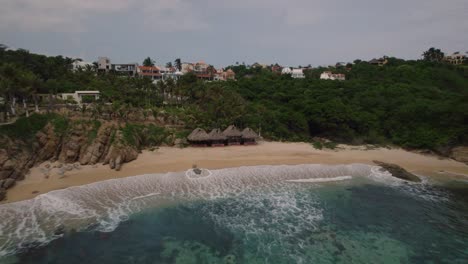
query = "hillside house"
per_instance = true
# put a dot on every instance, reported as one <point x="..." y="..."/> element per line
<point x="328" y="75"/>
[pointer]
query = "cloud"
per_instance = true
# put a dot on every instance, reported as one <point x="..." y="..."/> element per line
<point x="74" y="15"/>
<point x="172" y="15"/>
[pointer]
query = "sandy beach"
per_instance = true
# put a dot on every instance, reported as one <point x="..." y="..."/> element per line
<point x="167" y="159"/>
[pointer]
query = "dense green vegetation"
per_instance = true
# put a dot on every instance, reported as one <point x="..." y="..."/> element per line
<point x="415" y="104"/>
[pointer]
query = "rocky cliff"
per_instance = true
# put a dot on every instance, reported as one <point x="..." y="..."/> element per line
<point x="460" y="154"/>
<point x="83" y="142"/>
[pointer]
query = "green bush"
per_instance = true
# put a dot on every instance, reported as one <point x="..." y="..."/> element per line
<point x="26" y="127"/>
<point x="317" y="145"/>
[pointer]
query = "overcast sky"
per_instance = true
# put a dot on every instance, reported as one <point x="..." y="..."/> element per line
<point x="290" y="32"/>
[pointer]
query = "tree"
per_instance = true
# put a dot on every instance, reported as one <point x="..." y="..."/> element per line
<point x="148" y="62"/>
<point x="178" y="64"/>
<point x="433" y="55"/>
<point x="169" y="65"/>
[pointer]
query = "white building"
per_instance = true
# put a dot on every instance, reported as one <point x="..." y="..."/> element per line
<point x="105" y="65"/>
<point x="456" y="58"/>
<point x="286" y="70"/>
<point x="328" y="75"/>
<point x="295" y="73"/>
<point x="77" y="64"/>
<point x="77" y="96"/>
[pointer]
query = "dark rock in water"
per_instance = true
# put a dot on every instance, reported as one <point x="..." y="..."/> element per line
<point x="398" y="171"/>
<point x="197" y="171"/>
<point x="60" y="230"/>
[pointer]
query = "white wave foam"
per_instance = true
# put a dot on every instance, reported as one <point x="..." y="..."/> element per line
<point x="319" y="180"/>
<point x="110" y="202"/>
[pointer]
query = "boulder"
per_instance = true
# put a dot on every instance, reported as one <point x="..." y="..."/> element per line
<point x="398" y="171"/>
<point x="460" y="154"/>
<point x="118" y="155"/>
<point x="3" y="156"/>
<point x="5" y="174"/>
<point x="97" y="149"/>
<point x="2" y="194"/>
<point x="9" y="165"/>
<point x="8" y="183"/>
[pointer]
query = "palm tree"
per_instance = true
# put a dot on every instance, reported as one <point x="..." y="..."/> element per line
<point x="148" y="62"/>
<point x="178" y="64"/>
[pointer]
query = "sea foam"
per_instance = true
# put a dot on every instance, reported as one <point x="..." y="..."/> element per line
<point x="105" y="204"/>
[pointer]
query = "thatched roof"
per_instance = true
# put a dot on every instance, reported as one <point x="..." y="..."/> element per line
<point x="216" y="134"/>
<point x="198" y="134"/>
<point x="249" y="133"/>
<point x="232" y="131"/>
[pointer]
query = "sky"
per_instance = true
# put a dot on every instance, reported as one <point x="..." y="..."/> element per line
<point x="288" y="32"/>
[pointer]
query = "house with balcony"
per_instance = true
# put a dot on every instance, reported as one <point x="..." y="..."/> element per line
<point x="456" y="58"/>
<point x="152" y="72"/>
<point x="127" y="69"/>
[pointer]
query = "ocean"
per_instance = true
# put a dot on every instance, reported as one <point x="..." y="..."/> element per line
<point x="260" y="214"/>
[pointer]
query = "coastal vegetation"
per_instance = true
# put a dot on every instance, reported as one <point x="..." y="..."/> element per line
<point x="414" y="104"/>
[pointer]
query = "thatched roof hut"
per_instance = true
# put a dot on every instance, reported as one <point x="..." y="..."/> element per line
<point x="232" y="131"/>
<point x="248" y="133"/>
<point x="217" y="135"/>
<point x="198" y="135"/>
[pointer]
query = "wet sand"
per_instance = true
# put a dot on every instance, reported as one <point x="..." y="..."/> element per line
<point x="167" y="159"/>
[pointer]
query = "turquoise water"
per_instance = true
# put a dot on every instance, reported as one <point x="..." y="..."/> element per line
<point x="267" y="214"/>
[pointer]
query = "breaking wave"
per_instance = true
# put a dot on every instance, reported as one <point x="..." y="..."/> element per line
<point x="103" y="205"/>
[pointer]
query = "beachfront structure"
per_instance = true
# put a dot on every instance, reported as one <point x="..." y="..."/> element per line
<point x="249" y="137"/>
<point x="199" y="138"/>
<point x="105" y="66"/>
<point x="217" y="138"/>
<point x="456" y="58"/>
<point x="233" y="135"/>
<point x="295" y="73"/>
<point x="328" y="75"/>
<point x="80" y="96"/>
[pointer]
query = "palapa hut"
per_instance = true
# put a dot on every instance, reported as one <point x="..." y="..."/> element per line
<point x="198" y="138"/>
<point x="233" y="135"/>
<point x="218" y="139"/>
<point x="249" y="137"/>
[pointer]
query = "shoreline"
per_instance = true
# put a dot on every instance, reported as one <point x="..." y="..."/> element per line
<point x="171" y="159"/>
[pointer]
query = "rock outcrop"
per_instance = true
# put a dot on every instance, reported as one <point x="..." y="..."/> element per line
<point x="79" y="144"/>
<point x="398" y="171"/>
<point x="120" y="153"/>
<point x="460" y="154"/>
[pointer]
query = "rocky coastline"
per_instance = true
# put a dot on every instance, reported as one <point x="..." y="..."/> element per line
<point x="81" y="144"/>
<point x="84" y="143"/>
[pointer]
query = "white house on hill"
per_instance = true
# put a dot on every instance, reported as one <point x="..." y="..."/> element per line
<point x="295" y="73"/>
<point x="78" y="96"/>
<point x="328" y="75"/>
